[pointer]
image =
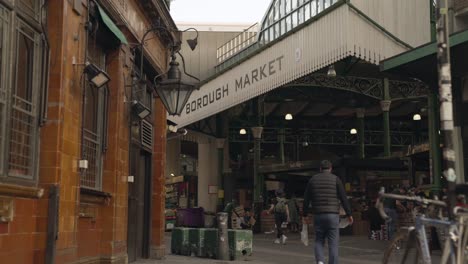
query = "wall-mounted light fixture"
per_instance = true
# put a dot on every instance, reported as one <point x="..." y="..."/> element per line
<point x="242" y="131"/>
<point x="140" y="109"/>
<point x="288" y="117"/>
<point x="173" y="91"/>
<point x="416" y="117"/>
<point x="353" y="131"/>
<point x="96" y="75"/>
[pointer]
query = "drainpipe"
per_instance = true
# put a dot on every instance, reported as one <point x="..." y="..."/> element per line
<point x="52" y="224"/>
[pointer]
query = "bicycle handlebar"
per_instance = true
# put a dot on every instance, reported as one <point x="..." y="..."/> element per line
<point x="417" y="199"/>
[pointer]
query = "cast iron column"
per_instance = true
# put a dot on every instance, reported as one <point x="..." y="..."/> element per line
<point x="361" y="127"/>
<point x="434" y="142"/>
<point x="220" y="147"/>
<point x="446" y="104"/>
<point x="385" y="105"/>
<point x="281" y="137"/>
<point x="258" y="182"/>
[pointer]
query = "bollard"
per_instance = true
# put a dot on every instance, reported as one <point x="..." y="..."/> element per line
<point x="223" y="244"/>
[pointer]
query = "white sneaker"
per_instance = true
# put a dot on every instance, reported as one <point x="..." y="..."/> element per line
<point x="283" y="239"/>
<point x="320" y="262"/>
<point x="277" y="241"/>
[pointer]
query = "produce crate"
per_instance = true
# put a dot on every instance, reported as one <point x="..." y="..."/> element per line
<point x="180" y="244"/>
<point x="240" y="244"/>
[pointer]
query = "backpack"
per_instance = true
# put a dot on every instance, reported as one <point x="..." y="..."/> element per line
<point x="280" y="206"/>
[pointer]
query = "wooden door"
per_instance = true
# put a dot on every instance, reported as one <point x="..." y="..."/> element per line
<point x="139" y="194"/>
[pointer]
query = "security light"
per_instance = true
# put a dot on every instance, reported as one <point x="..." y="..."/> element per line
<point x="288" y="117"/>
<point x="96" y="75"/>
<point x="242" y="131"/>
<point x="140" y="109"/>
<point x="416" y="117"/>
<point x="353" y="131"/>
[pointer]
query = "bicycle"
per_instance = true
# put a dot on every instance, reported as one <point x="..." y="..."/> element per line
<point x="416" y="247"/>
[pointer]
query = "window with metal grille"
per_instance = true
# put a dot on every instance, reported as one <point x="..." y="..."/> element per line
<point x="21" y="58"/>
<point x="93" y="122"/>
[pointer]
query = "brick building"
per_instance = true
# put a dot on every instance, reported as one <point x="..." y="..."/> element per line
<point x="81" y="171"/>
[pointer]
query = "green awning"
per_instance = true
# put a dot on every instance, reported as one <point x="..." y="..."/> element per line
<point x="112" y="27"/>
<point x="421" y="52"/>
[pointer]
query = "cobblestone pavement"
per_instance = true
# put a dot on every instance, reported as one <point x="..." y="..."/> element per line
<point x="353" y="250"/>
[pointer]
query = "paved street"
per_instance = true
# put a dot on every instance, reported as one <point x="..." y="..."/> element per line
<point x="353" y="250"/>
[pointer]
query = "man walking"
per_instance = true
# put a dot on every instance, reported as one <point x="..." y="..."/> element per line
<point x="325" y="191"/>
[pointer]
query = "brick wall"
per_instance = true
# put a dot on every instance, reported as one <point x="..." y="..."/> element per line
<point x="460" y="4"/>
<point x="23" y="240"/>
<point x="90" y="229"/>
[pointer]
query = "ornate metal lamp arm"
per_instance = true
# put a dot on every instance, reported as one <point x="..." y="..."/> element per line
<point x="143" y="43"/>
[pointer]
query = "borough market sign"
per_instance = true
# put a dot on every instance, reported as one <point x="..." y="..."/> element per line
<point x="234" y="86"/>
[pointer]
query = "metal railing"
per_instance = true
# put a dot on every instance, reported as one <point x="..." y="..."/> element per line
<point x="237" y="44"/>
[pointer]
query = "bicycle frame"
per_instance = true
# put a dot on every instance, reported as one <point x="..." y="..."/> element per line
<point x="420" y="229"/>
<point x="457" y="234"/>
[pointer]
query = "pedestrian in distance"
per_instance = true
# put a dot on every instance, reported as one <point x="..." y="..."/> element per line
<point x="325" y="192"/>
<point x="293" y="209"/>
<point x="281" y="212"/>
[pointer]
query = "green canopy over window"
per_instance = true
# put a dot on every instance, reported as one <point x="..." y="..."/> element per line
<point x="112" y="27"/>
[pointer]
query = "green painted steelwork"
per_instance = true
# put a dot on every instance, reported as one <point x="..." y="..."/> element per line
<point x="421" y="52"/>
<point x="112" y="27"/>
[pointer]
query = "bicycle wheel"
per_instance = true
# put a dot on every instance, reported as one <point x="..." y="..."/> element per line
<point x="404" y="248"/>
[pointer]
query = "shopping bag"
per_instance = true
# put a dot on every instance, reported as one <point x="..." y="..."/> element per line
<point x="305" y="235"/>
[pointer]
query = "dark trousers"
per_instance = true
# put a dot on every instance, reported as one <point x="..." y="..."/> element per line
<point x="327" y="227"/>
<point x="279" y="219"/>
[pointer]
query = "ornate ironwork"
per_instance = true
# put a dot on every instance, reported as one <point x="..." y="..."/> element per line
<point x="405" y="90"/>
<point x="328" y="137"/>
<point x="371" y="87"/>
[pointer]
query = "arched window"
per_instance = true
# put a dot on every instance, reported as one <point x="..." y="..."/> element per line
<point x="285" y="15"/>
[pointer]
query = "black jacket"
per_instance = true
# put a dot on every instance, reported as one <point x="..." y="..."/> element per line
<point x="325" y="191"/>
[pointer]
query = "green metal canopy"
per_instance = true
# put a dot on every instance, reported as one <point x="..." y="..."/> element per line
<point x="421" y="62"/>
<point x="112" y="27"/>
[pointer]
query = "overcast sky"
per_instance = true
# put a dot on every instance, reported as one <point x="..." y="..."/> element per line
<point x="222" y="11"/>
